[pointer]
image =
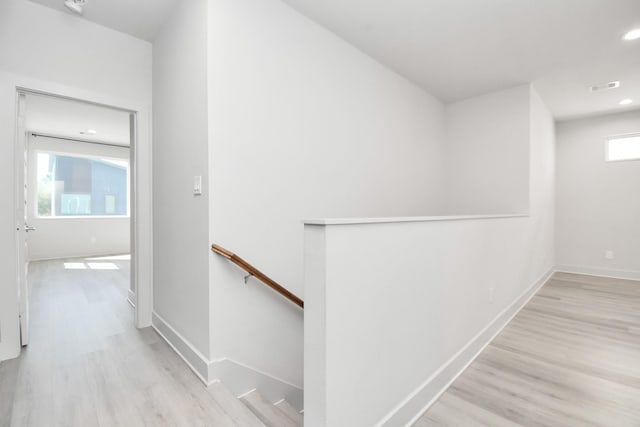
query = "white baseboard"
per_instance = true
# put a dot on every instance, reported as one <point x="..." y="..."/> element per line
<point x="77" y="256"/>
<point x="131" y="298"/>
<point x="198" y="363"/>
<point x="601" y="272"/>
<point x="417" y="403"/>
<point x="237" y="377"/>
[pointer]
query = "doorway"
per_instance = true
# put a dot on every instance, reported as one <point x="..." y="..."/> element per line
<point x="76" y="198"/>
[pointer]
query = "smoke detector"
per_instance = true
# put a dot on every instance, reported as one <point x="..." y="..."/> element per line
<point x="604" y="86"/>
<point x="75" y="5"/>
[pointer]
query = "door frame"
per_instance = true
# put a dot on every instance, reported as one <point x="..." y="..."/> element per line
<point x="141" y="189"/>
<point x="21" y="183"/>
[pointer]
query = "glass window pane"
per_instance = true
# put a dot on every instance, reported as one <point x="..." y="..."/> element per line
<point x="626" y="148"/>
<point x="81" y="186"/>
<point x="110" y="204"/>
<point x="75" y="204"/>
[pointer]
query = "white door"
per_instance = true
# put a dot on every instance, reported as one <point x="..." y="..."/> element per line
<point x="22" y="226"/>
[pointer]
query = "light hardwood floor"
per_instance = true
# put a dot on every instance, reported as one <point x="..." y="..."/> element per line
<point x="571" y="357"/>
<point x="87" y="365"/>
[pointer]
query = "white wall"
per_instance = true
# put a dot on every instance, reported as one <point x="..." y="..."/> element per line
<point x="395" y="310"/>
<point x="302" y="125"/>
<point x="43" y="43"/>
<point x="40" y="48"/>
<point x="598" y="207"/>
<point x="542" y="185"/>
<point x="487" y="165"/>
<point x="181" y="220"/>
<point x="73" y="237"/>
<point x="79" y="237"/>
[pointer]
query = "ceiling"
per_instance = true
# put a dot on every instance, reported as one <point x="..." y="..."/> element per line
<point x="52" y="116"/>
<point x="565" y="91"/>
<point x="139" y="18"/>
<point x="457" y="49"/>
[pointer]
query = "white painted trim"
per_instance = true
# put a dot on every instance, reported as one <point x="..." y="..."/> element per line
<point x="241" y="379"/>
<point x="84" y="255"/>
<point x="131" y="298"/>
<point x="246" y="394"/>
<point x="198" y="363"/>
<point x="237" y="377"/>
<point x="600" y="272"/>
<point x="344" y="221"/>
<point x="142" y="255"/>
<point x="418" y="402"/>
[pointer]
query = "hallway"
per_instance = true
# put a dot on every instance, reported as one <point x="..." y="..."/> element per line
<point x="87" y="365"/>
<point x="570" y="357"/>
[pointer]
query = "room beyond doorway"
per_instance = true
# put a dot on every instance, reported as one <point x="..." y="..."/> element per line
<point x="76" y="190"/>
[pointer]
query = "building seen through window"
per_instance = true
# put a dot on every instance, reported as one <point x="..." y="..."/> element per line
<point x="81" y="186"/>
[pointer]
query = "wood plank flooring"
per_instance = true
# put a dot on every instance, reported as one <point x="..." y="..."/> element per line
<point x="571" y="357"/>
<point x="87" y="365"/>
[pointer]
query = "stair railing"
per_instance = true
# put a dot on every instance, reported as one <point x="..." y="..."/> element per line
<point x="257" y="274"/>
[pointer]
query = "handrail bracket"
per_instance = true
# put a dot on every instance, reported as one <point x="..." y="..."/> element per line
<point x="257" y="273"/>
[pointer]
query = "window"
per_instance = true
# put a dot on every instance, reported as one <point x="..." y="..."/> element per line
<point x="623" y="148"/>
<point x="70" y="185"/>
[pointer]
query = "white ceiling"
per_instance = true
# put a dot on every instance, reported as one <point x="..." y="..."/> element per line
<point x="456" y="49"/>
<point x="566" y="93"/>
<point x="139" y="18"/>
<point x="66" y="118"/>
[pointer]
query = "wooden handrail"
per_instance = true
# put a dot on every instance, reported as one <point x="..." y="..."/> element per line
<point x="257" y="273"/>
